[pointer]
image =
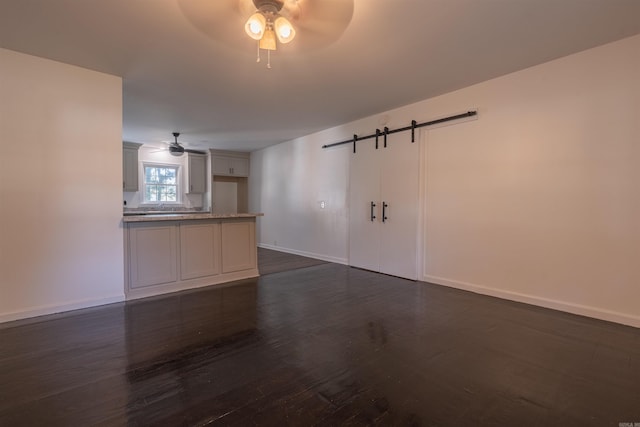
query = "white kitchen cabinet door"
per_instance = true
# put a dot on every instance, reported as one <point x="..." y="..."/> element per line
<point x="129" y="169"/>
<point x="240" y="167"/>
<point x="220" y="165"/>
<point x="200" y="245"/>
<point x="153" y="252"/>
<point x="239" y="245"/>
<point x="384" y="238"/>
<point x="230" y="166"/>
<point x="197" y="173"/>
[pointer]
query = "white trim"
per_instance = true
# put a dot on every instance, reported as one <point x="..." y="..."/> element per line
<point x="304" y="253"/>
<point x="53" y="309"/>
<point x="582" y="310"/>
<point x="183" y="285"/>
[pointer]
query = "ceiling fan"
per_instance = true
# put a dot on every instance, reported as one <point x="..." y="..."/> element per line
<point x="175" y="149"/>
<point x="318" y="23"/>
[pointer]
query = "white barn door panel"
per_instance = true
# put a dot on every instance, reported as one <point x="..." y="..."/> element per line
<point x="384" y="181"/>
<point x="400" y="175"/>
<point x="364" y="235"/>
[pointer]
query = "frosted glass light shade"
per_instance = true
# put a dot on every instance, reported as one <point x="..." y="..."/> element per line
<point x="284" y="30"/>
<point x="256" y="26"/>
<point x="268" y="41"/>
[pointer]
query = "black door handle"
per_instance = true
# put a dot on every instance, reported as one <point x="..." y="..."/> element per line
<point x="384" y="211"/>
<point x="373" y="205"/>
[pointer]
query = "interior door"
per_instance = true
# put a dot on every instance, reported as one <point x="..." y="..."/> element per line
<point x="364" y="189"/>
<point x="399" y="186"/>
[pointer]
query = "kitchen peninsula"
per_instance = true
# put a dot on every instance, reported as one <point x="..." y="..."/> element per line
<point x="172" y="252"/>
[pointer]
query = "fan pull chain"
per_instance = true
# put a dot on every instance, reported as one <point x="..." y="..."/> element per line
<point x="268" y="59"/>
<point x="258" y="54"/>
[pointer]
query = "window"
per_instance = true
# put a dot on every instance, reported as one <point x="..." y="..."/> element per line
<point x="161" y="183"/>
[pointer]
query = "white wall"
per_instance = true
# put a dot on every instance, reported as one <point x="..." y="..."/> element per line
<point x="538" y="200"/>
<point x="287" y="182"/>
<point x="60" y="187"/>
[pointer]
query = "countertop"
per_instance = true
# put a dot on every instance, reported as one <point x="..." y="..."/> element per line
<point x="186" y="216"/>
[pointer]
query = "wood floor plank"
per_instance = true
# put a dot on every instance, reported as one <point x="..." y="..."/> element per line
<point x="270" y="261"/>
<point x="319" y="345"/>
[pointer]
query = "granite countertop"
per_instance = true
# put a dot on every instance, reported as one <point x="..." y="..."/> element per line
<point x="180" y="216"/>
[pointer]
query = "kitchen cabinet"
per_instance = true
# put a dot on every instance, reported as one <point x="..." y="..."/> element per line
<point x="130" y="166"/>
<point x="196" y="173"/>
<point x="230" y="166"/>
<point x="200" y="253"/>
<point x="238" y="245"/>
<point x="153" y="254"/>
<point x="170" y="253"/>
<point x="229" y="186"/>
<point x="383" y="210"/>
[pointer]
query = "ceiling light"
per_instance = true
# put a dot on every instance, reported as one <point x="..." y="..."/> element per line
<point x="268" y="41"/>
<point x="266" y="24"/>
<point x="284" y="30"/>
<point x="255" y="26"/>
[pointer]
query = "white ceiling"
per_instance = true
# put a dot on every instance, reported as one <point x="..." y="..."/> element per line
<point x="207" y="85"/>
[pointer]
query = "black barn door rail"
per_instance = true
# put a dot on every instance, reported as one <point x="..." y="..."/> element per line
<point x="412" y="128"/>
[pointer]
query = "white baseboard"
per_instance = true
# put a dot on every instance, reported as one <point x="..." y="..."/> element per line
<point x="183" y="285"/>
<point x="53" y="309"/>
<point x="582" y="310"/>
<point x="304" y="253"/>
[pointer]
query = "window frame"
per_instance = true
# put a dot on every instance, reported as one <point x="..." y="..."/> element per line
<point x="178" y="169"/>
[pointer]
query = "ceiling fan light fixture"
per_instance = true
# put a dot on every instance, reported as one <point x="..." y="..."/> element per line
<point x="268" y="41"/>
<point x="176" y="151"/>
<point x="284" y="30"/>
<point x="256" y="26"/>
<point x="267" y="26"/>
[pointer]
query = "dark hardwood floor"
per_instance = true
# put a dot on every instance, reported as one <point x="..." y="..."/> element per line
<point x="270" y="261"/>
<point x="322" y="345"/>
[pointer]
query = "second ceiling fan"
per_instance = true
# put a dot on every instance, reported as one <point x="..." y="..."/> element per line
<point x="178" y="150"/>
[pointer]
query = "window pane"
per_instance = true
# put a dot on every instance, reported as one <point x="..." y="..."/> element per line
<point x="171" y="193"/>
<point x="150" y="174"/>
<point x="152" y="193"/>
<point x="167" y="176"/>
<point x="161" y="184"/>
<point x="167" y="193"/>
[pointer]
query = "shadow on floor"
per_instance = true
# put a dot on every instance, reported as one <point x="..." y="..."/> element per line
<point x="270" y="261"/>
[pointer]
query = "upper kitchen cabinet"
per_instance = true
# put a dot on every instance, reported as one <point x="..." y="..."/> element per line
<point x="130" y="166"/>
<point x="196" y="173"/>
<point x="229" y="163"/>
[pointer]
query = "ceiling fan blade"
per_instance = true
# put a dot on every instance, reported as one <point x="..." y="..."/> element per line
<point x="175" y="148"/>
<point x="318" y="23"/>
<point x="327" y="15"/>
<point x="221" y="20"/>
